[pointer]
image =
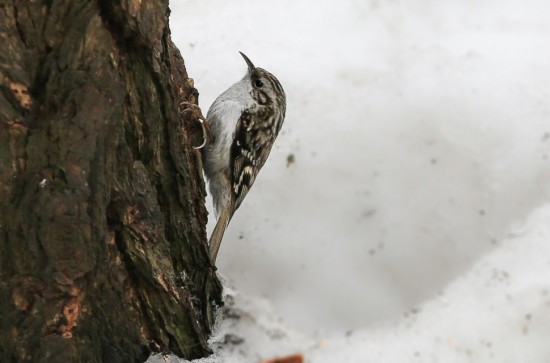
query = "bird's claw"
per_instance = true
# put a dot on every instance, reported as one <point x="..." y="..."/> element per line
<point x="207" y="135"/>
<point x="197" y="114"/>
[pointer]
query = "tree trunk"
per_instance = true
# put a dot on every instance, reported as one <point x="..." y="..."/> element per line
<point x="103" y="250"/>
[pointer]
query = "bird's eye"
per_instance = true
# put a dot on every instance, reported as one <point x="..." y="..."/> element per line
<point x="258" y="83"/>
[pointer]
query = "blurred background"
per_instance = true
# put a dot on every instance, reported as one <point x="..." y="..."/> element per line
<point x="417" y="136"/>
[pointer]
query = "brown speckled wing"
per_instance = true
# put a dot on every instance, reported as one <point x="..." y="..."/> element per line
<point x="254" y="137"/>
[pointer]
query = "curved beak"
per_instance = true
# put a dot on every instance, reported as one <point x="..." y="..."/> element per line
<point x="248" y="62"/>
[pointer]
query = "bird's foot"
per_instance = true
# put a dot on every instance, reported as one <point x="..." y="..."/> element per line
<point x="196" y="114"/>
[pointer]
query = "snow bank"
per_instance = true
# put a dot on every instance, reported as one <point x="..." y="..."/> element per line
<point x="498" y="311"/>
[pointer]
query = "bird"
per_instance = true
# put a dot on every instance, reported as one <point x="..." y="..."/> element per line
<point x="244" y="122"/>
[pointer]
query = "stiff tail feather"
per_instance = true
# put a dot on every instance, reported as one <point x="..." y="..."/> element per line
<point x="217" y="234"/>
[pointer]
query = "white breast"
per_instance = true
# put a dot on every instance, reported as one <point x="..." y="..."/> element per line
<point x="222" y="117"/>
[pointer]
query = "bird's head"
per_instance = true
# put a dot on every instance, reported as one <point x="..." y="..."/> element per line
<point x="266" y="88"/>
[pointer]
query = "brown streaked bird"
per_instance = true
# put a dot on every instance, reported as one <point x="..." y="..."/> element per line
<point x="244" y="122"/>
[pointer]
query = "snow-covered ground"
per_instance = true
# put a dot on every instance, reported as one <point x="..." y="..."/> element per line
<point x="497" y="311"/>
<point x="413" y="223"/>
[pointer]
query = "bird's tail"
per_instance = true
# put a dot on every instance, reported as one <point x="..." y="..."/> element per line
<point x="217" y="234"/>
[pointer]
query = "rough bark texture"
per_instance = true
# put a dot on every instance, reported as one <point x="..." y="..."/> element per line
<point x="103" y="252"/>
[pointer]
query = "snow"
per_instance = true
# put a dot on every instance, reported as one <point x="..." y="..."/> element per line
<point x="413" y="223"/>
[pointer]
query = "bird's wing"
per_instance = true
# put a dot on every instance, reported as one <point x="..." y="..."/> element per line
<point x="254" y="137"/>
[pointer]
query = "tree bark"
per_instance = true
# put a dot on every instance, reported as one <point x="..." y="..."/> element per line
<point x="103" y="249"/>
